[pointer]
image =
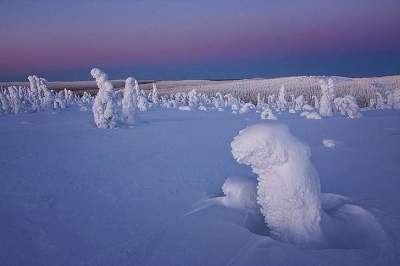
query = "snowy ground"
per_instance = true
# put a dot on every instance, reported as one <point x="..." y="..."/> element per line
<point x="73" y="194"/>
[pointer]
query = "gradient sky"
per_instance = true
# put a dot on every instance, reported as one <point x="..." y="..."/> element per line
<point x="216" y="39"/>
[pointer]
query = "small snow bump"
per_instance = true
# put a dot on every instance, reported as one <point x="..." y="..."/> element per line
<point x="329" y="143"/>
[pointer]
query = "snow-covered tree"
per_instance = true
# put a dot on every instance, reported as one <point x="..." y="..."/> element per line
<point x="389" y="99"/>
<point x="193" y="99"/>
<point x="260" y="102"/>
<point x="372" y="103"/>
<point x="348" y="106"/>
<point x="246" y="108"/>
<point x="105" y="107"/>
<point x="380" y="103"/>
<point x="154" y="95"/>
<point x="142" y="101"/>
<point x="15" y="101"/>
<point x="396" y="99"/>
<point x="5" y="105"/>
<point x="282" y="103"/>
<point x="129" y="102"/>
<point x="316" y="102"/>
<point x="219" y="100"/>
<point x="271" y="100"/>
<point x="299" y="103"/>
<point x="326" y="103"/>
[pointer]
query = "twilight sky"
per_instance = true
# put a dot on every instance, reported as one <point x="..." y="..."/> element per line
<point x="177" y="39"/>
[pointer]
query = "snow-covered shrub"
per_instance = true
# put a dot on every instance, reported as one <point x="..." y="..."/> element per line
<point x="311" y="115"/>
<point x="326" y="103"/>
<point x="105" y="107"/>
<point x="231" y="101"/>
<point x="288" y="185"/>
<point x="86" y="99"/>
<point x="267" y="114"/>
<point x="246" y="108"/>
<point x="129" y="102"/>
<point x="348" y="106"/>
<point x="185" y="108"/>
<point x="329" y="143"/>
<point x="202" y="108"/>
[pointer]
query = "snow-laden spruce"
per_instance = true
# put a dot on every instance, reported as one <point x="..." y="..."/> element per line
<point x="142" y="102"/>
<point x="193" y="99"/>
<point x="282" y="103"/>
<point x="316" y="102"/>
<point x="36" y="97"/>
<point x="326" y="102"/>
<point x="154" y="95"/>
<point x="299" y="103"/>
<point x="311" y="115"/>
<point x="396" y="99"/>
<point x="129" y="101"/>
<point x="219" y="100"/>
<point x="246" y="108"/>
<point x="105" y="108"/>
<point x="348" y="106"/>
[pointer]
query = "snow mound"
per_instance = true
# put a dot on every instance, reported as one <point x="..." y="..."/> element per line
<point x="289" y="196"/>
<point x="313" y="115"/>
<point x="329" y="143"/>
<point x="202" y="108"/>
<point x="288" y="185"/>
<point x="185" y="108"/>
<point x="240" y="193"/>
<point x="267" y="114"/>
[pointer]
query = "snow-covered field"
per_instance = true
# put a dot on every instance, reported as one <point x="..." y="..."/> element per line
<point x="73" y="194"/>
<point x="199" y="178"/>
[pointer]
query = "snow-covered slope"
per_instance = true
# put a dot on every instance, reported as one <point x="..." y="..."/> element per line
<point x="73" y="194"/>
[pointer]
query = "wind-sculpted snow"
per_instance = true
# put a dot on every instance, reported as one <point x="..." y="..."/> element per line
<point x="288" y="193"/>
<point x="288" y="185"/>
